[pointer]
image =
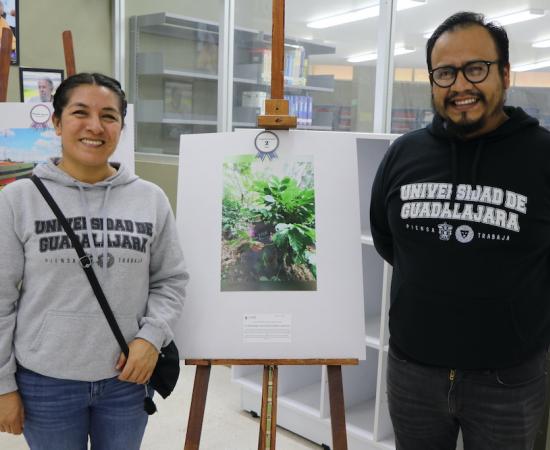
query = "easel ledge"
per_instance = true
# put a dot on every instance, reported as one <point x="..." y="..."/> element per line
<point x="273" y="362"/>
<point x="268" y="418"/>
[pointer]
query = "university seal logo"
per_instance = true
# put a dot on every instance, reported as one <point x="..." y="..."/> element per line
<point x="464" y="234"/>
<point x="445" y="231"/>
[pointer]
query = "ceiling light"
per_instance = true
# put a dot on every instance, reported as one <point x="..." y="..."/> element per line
<point x="371" y="56"/>
<point x="403" y="50"/>
<point x="353" y="16"/>
<point x="361" y="57"/>
<point x="520" y="16"/>
<point x="406" y="4"/>
<point x="507" y="19"/>
<point x="542" y="44"/>
<point x="531" y="66"/>
<point x="361" y="14"/>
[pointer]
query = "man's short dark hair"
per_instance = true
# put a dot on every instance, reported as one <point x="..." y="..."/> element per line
<point x="466" y="19"/>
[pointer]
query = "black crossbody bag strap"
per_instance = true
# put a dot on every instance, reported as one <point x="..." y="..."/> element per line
<point x="85" y="263"/>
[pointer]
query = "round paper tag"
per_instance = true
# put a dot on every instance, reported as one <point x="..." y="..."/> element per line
<point x="40" y="115"/>
<point x="266" y="143"/>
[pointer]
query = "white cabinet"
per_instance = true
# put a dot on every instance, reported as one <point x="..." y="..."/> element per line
<point x="303" y="402"/>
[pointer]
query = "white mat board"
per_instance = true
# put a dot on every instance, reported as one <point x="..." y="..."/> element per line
<point x="324" y="323"/>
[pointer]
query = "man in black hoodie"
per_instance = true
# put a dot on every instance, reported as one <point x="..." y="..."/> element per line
<point x="461" y="209"/>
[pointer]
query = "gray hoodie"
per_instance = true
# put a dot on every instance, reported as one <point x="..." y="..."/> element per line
<point x="50" y="320"/>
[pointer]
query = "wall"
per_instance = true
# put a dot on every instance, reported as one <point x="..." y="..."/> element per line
<point x="40" y="26"/>
<point x="162" y="174"/>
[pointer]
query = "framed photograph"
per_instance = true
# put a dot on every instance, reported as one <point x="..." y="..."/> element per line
<point x="38" y="85"/>
<point x="9" y="18"/>
<point x="178" y="98"/>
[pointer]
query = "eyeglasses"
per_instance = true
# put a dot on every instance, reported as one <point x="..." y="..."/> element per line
<point x="473" y="71"/>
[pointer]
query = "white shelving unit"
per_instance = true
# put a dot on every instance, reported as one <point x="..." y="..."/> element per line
<point x="303" y="402"/>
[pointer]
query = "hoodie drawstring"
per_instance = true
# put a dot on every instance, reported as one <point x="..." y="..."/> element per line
<point x="454" y="167"/>
<point x="104" y="221"/>
<point x="475" y="165"/>
<point x="454" y="170"/>
<point x="103" y="212"/>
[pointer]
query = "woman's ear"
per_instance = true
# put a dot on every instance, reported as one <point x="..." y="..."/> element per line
<point x="57" y="125"/>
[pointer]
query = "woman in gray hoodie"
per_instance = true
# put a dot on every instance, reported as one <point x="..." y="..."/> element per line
<point x="63" y="378"/>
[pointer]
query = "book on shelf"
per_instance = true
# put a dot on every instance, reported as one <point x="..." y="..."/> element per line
<point x="295" y="61"/>
<point x="344" y="118"/>
<point x="301" y="106"/>
<point x="295" y="72"/>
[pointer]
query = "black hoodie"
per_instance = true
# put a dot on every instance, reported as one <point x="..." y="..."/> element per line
<point x="466" y="226"/>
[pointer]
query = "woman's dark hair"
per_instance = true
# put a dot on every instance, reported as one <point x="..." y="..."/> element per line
<point x="63" y="91"/>
<point x="465" y="19"/>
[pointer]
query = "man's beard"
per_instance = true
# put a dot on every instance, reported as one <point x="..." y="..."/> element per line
<point x="464" y="127"/>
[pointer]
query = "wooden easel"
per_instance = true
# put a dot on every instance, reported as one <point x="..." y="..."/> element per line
<point x="276" y="117"/>
<point x="5" y="61"/>
<point x="276" y="108"/>
<point x="5" y="49"/>
<point x="68" y="50"/>
<point x="268" y="418"/>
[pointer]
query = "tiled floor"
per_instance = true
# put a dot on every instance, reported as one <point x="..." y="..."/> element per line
<point x="225" y="426"/>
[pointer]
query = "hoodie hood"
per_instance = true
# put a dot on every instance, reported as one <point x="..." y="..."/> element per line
<point x="517" y="121"/>
<point x="50" y="171"/>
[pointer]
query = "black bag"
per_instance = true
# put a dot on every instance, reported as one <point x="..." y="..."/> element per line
<point x="167" y="370"/>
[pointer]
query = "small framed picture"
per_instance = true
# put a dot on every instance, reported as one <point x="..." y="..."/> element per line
<point x="38" y="85"/>
<point x="9" y="18"/>
<point x="178" y="98"/>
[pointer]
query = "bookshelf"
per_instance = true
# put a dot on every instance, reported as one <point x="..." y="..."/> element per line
<point x="303" y="406"/>
<point x="173" y="79"/>
<point x="252" y="78"/>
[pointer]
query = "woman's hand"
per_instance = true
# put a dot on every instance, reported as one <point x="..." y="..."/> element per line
<point x="12" y="414"/>
<point x="141" y="362"/>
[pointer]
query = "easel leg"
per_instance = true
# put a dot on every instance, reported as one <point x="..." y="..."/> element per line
<point x="268" y="420"/>
<point x="196" y="411"/>
<point x="5" y="51"/>
<point x="337" y="410"/>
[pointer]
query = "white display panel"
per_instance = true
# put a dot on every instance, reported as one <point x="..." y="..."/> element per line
<point x="323" y="320"/>
<point x="27" y="137"/>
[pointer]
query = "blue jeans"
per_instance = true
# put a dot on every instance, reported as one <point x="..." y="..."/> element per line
<point x="62" y="414"/>
<point x="494" y="409"/>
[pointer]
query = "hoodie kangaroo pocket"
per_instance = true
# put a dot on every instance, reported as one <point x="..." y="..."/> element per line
<point x="79" y="345"/>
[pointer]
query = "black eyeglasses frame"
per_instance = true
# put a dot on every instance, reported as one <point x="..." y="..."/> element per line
<point x="462" y="69"/>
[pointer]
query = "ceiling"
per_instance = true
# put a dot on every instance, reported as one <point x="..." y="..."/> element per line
<point x="411" y="24"/>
